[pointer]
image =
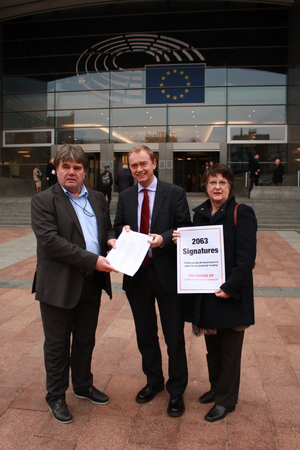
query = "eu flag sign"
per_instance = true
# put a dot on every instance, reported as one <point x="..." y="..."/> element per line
<point x="175" y="83"/>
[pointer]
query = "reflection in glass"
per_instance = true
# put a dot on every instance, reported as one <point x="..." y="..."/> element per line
<point x="83" y="135"/>
<point x="196" y="115"/>
<point x="79" y="100"/>
<point x="140" y="116"/>
<point x="132" y="135"/>
<point x="28" y="102"/>
<point x="127" y="98"/>
<point x="215" y="96"/>
<point x="277" y="133"/>
<point x="252" y="77"/>
<point x="20" y="161"/>
<point x="17" y="85"/>
<point x="84" y="82"/>
<point x="256" y="114"/>
<point x="29" y="119"/>
<point x="197" y="134"/>
<point x="215" y="77"/>
<point x="257" y="95"/>
<point x="83" y="118"/>
<point x="27" y="137"/>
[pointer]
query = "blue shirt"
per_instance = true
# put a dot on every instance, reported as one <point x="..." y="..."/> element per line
<point x="88" y="222"/>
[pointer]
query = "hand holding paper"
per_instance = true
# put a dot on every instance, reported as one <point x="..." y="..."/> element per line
<point x="130" y="251"/>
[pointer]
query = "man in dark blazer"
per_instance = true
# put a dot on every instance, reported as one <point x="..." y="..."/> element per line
<point x="254" y="172"/>
<point x="73" y="232"/>
<point x="157" y="278"/>
<point x="278" y="172"/>
<point x="124" y="179"/>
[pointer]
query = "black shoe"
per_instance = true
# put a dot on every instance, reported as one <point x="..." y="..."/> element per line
<point x="208" y="397"/>
<point x="218" y="412"/>
<point x="149" y="392"/>
<point x="94" y="396"/>
<point x="60" y="411"/>
<point x="176" y="406"/>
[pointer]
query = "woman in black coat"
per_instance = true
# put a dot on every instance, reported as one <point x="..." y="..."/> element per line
<point x="225" y="314"/>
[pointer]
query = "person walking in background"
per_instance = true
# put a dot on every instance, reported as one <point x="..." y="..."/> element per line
<point x="278" y="172"/>
<point x="51" y="172"/>
<point x="156" y="208"/>
<point x="73" y="232"/>
<point x="124" y="179"/>
<point x="105" y="182"/>
<point x="254" y="172"/>
<point x="224" y="315"/>
<point x="37" y="178"/>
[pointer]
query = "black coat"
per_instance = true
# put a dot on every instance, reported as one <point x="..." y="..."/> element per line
<point x="278" y="174"/>
<point x="124" y="180"/>
<point x="210" y="311"/>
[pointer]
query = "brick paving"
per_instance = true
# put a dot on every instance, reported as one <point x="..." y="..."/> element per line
<point x="268" y="413"/>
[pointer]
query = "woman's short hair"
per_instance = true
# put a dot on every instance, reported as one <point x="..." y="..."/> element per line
<point x="71" y="152"/>
<point x="213" y="171"/>
<point x="139" y="148"/>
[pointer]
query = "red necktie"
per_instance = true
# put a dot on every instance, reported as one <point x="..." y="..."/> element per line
<point x="144" y="227"/>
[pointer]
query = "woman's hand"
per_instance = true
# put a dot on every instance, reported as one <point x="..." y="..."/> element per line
<point x="221" y="294"/>
<point x="175" y="236"/>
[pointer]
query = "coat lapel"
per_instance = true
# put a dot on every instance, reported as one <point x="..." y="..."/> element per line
<point x="158" y="202"/>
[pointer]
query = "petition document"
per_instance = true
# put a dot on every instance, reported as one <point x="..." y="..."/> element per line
<point x="131" y="249"/>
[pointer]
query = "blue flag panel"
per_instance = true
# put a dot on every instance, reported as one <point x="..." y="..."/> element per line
<point x="175" y="83"/>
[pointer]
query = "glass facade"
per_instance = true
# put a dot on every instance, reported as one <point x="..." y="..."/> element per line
<point x="68" y="72"/>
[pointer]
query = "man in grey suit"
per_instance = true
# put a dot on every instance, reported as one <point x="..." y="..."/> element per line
<point x="73" y="231"/>
<point x="167" y="209"/>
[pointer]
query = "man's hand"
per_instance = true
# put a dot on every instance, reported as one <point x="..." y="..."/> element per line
<point x="126" y="228"/>
<point x="221" y="294"/>
<point x="112" y="243"/>
<point x="103" y="265"/>
<point x="157" y="240"/>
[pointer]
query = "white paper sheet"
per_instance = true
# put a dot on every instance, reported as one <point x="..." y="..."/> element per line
<point x="131" y="249"/>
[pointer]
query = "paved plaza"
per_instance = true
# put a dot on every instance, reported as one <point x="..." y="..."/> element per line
<point x="267" y="415"/>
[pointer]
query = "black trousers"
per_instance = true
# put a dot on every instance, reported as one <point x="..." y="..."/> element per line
<point x="142" y="297"/>
<point x="60" y="351"/>
<point x="224" y="352"/>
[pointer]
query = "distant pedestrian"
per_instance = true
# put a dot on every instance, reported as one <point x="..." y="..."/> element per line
<point x="37" y="178"/>
<point x="105" y="182"/>
<point x="124" y="179"/>
<point x="51" y="172"/>
<point x="278" y="172"/>
<point x="254" y="172"/>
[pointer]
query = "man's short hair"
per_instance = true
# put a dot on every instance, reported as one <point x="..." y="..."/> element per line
<point x="73" y="153"/>
<point x="139" y="148"/>
<point x="106" y="167"/>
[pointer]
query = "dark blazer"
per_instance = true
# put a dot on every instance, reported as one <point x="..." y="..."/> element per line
<point x="170" y="211"/>
<point x="278" y="173"/>
<point x="240" y="251"/>
<point x="253" y="167"/>
<point x="62" y="260"/>
<point x="124" y="180"/>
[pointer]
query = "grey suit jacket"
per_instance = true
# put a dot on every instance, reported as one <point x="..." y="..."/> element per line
<point x="62" y="258"/>
<point x="170" y="211"/>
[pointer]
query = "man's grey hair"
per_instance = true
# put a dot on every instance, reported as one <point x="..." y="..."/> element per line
<point x="125" y="166"/>
<point x="73" y="153"/>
